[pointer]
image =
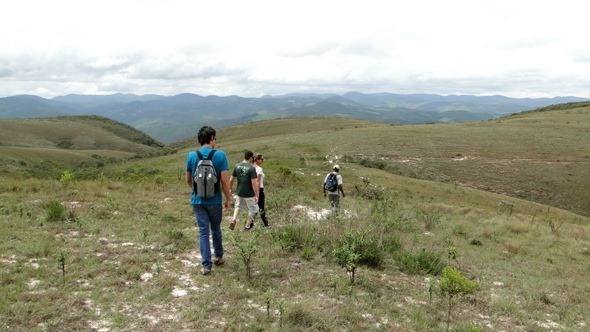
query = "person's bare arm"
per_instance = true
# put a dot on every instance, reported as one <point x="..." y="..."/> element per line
<point x="256" y="187"/>
<point x="231" y="183"/>
<point x="188" y="176"/>
<point x="226" y="186"/>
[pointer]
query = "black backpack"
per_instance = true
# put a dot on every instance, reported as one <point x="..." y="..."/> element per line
<point x="331" y="183"/>
<point x="205" y="179"/>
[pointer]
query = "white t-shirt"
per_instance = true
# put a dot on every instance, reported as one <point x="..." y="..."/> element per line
<point x="260" y="172"/>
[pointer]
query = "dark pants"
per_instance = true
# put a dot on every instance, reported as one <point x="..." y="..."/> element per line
<point x="261" y="207"/>
<point x="334" y="200"/>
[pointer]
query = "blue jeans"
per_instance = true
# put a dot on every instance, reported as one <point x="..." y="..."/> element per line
<point x="209" y="217"/>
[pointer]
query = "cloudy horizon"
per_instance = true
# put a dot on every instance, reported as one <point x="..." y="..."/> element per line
<point x="520" y="49"/>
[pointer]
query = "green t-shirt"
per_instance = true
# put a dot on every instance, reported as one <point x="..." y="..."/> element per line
<point x="244" y="173"/>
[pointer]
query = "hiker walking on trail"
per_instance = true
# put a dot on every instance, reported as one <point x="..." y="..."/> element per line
<point x="246" y="191"/>
<point x="333" y="187"/>
<point x="258" y="160"/>
<point x="207" y="207"/>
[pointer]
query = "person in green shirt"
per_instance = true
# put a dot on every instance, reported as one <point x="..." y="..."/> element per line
<point x="247" y="190"/>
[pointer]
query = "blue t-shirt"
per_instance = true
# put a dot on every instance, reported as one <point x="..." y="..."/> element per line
<point x="219" y="162"/>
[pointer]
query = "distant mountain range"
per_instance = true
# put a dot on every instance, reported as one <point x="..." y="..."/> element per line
<point x="172" y="118"/>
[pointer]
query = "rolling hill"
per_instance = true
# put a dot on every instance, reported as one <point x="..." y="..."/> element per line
<point x="70" y="140"/>
<point x="538" y="155"/>
<point x="171" y="118"/>
<point x="541" y="156"/>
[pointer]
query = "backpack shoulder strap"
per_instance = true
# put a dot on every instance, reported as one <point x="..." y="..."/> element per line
<point x="210" y="156"/>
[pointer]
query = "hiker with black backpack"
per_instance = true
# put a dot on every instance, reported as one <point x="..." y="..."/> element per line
<point x="207" y="171"/>
<point x="333" y="187"/>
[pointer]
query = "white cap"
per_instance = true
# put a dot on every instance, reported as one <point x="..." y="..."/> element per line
<point x="336" y="167"/>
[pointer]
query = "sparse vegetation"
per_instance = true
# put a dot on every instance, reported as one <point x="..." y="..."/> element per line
<point x="125" y="245"/>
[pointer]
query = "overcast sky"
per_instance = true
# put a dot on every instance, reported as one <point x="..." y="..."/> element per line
<point x="516" y="48"/>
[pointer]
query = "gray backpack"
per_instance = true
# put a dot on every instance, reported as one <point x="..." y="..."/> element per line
<point x="205" y="181"/>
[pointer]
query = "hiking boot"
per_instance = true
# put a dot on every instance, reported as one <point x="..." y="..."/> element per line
<point x="218" y="261"/>
<point x="205" y="271"/>
<point x="232" y="225"/>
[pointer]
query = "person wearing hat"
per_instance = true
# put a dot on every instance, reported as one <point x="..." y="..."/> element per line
<point x="333" y="191"/>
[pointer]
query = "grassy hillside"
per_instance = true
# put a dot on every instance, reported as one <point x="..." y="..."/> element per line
<point x="70" y="140"/>
<point x="542" y="156"/>
<point x="120" y="252"/>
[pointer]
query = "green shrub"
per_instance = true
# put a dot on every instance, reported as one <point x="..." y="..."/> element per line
<point x="347" y="257"/>
<point x="421" y="262"/>
<point x="287" y="176"/>
<point x="54" y="211"/>
<point x="430" y="219"/>
<point x="355" y="248"/>
<point x="307" y="254"/>
<point x="246" y="248"/>
<point x="287" y="238"/>
<point x="280" y="200"/>
<point x="367" y="247"/>
<point x="365" y="244"/>
<point x="453" y="283"/>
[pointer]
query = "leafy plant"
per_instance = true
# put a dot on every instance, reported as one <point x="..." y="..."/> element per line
<point x="282" y="309"/>
<point x="246" y="249"/>
<point x="61" y="262"/>
<point x="287" y="238"/>
<point x="268" y="298"/>
<point x="452" y="284"/>
<point x="348" y="258"/>
<point x="357" y="247"/>
<point x="365" y="244"/>
<point x="66" y="178"/>
<point x="307" y="254"/>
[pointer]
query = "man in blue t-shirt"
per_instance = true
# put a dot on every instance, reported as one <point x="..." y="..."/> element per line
<point x="208" y="211"/>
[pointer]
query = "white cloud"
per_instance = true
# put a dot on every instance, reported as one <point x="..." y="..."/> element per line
<point x="252" y="48"/>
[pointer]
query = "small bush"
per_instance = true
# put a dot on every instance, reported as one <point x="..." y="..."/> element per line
<point x="307" y="254"/>
<point x="370" y="191"/>
<point x="430" y="219"/>
<point x="365" y="244"/>
<point x="54" y="211"/>
<point x="66" y="178"/>
<point x="453" y="283"/>
<point x="347" y="257"/>
<point x="287" y="238"/>
<point x="421" y="262"/>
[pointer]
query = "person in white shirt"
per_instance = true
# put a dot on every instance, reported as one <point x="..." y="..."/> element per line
<point x="258" y="160"/>
<point x="334" y="195"/>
